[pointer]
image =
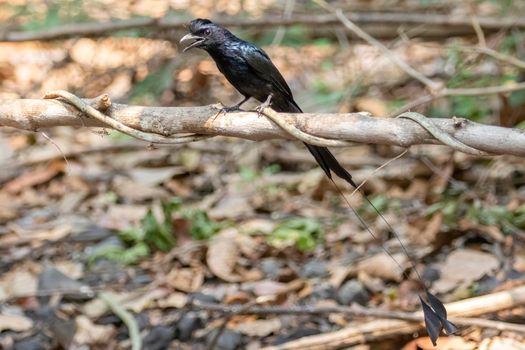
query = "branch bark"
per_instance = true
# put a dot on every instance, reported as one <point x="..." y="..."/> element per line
<point x="461" y="23"/>
<point x="33" y="115"/>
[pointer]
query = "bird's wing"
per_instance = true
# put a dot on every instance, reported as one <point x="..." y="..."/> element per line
<point x="261" y="64"/>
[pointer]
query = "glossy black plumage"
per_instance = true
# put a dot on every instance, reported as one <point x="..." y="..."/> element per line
<point x="249" y="69"/>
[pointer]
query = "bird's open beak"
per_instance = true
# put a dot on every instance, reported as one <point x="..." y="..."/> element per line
<point x="190" y="37"/>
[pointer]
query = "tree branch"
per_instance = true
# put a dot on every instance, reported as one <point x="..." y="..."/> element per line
<point x="33" y="114"/>
<point x="94" y="29"/>
<point x="382" y="328"/>
<point x="352" y="311"/>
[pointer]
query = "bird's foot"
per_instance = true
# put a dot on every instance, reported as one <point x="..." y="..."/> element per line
<point x="235" y="108"/>
<point x="260" y="108"/>
<point x="223" y="110"/>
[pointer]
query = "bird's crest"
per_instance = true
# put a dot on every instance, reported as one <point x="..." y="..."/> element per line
<point x="198" y="23"/>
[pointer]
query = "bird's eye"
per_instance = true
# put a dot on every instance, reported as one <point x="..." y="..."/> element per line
<point x="207" y="32"/>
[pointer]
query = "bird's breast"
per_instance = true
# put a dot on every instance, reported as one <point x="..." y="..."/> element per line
<point x="240" y="75"/>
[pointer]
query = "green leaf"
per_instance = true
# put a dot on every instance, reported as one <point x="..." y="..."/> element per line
<point x="201" y="226"/>
<point x="168" y="208"/>
<point x="132" y="235"/>
<point x="302" y="233"/>
<point x="272" y="169"/>
<point x="247" y="174"/>
<point x="157" y="234"/>
<point x="125" y="256"/>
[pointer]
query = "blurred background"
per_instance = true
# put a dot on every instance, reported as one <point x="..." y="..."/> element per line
<point x="85" y="211"/>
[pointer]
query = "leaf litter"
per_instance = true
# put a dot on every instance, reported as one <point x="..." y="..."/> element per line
<point x="246" y="221"/>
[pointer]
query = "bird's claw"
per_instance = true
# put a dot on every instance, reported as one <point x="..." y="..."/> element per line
<point x="223" y="110"/>
<point x="260" y="108"/>
<point x="230" y="109"/>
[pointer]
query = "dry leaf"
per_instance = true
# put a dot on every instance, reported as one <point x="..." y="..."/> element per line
<point x="175" y="300"/>
<point x="54" y="234"/>
<point x="339" y="274"/>
<point x="424" y="231"/>
<point x="499" y="343"/>
<point x="267" y="288"/>
<point x="257" y="226"/>
<point x="233" y="205"/>
<point x="35" y="177"/>
<point x="492" y="231"/>
<point x="238" y="297"/>
<point x="223" y="254"/>
<point x="135" y="301"/>
<point x="120" y="217"/>
<point x="259" y="328"/>
<point x="15" y="323"/>
<point x="382" y="266"/>
<point x="145" y="300"/>
<point x="72" y="269"/>
<point x="89" y="333"/>
<point x="443" y="343"/>
<point x="186" y="279"/>
<point x="153" y="176"/>
<point x="18" y="284"/>
<point x="464" y="266"/>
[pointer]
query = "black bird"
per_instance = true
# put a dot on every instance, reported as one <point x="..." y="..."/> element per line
<point x="250" y="70"/>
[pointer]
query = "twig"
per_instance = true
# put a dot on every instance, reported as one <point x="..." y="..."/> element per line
<point x="227" y="319"/>
<point x="84" y="291"/>
<point x="437" y="90"/>
<point x="479" y="32"/>
<point x="382" y="328"/>
<point x="288" y="10"/>
<point x="488" y="90"/>
<point x="432" y="85"/>
<point x="445" y="138"/>
<point x="126" y="317"/>
<point x="94" y="113"/>
<point x="94" y="29"/>
<point x="300" y="135"/>
<point x="57" y="147"/>
<point x="497" y="55"/>
<point x="353" y="311"/>
<point x="426" y="123"/>
<point x="377" y="170"/>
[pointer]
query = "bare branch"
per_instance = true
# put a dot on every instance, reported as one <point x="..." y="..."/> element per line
<point x="497" y="55"/>
<point x="353" y="311"/>
<point x="432" y="85"/>
<point x="482" y="42"/>
<point x="445" y="138"/>
<point x="382" y="328"/>
<point x="437" y="90"/>
<point x="461" y="24"/>
<point x="104" y="102"/>
<point x="487" y="90"/>
<point x="33" y="115"/>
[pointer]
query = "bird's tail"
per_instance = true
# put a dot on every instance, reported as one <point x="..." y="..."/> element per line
<point x="328" y="163"/>
<point x="434" y="311"/>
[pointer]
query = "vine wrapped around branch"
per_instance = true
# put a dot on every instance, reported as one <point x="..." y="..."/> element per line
<point x="167" y="123"/>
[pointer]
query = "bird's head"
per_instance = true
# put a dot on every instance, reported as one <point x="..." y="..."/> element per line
<point x="204" y="34"/>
